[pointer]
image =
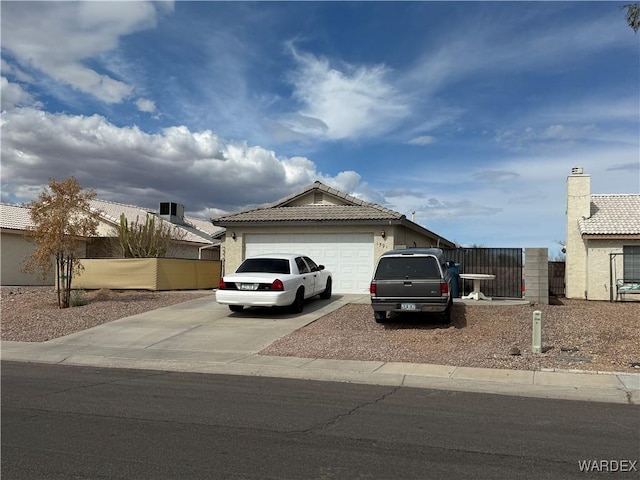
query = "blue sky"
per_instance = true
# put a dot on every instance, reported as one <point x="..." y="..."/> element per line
<point x="470" y="114"/>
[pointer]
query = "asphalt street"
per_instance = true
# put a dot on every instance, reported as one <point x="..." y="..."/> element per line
<point x="88" y="422"/>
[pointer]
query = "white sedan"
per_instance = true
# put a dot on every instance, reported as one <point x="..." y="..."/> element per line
<point x="272" y="280"/>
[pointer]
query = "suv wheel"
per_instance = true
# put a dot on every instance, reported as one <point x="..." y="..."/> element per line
<point x="380" y="317"/>
<point x="446" y="315"/>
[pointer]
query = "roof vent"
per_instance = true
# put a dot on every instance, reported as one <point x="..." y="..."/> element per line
<point x="172" y="212"/>
<point x="577" y="171"/>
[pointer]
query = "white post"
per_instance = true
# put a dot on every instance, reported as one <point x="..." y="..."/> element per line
<point x="537" y="332"/>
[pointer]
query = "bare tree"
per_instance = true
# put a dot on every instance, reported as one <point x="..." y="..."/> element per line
<point x="633" y="15"/>
<point x="145" y="240"/>
<point x="62" y="221"/>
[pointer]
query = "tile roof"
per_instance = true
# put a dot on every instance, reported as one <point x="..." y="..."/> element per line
<point x="280" y="212"/>
<point x="311" y="213"/>
<point x="16" y="217"/>
<point x="612" y="215"/>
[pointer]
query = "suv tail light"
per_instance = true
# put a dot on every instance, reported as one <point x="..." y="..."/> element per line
<point x="277" y="285"/>
<point x="372" y="288"/>
<point x="444" y="288"/>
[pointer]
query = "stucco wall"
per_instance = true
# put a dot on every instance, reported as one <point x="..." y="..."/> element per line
<point x="310" y="198"/>
<point x="578" y="206"/>
<point x="15" y="252"/>
<point x="408" y="238"/>
<point x="598" y="261"/>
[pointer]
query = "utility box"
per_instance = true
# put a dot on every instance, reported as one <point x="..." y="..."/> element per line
<point x="536" y="342"/>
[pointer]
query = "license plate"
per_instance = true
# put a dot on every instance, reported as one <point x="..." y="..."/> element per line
<point x="407" y="306"/>
<point x="248" y="286"/>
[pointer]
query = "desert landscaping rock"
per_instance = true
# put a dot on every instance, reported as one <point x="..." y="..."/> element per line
<point x="479" y="336"/>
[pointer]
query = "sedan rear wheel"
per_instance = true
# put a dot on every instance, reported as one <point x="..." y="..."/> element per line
<point x="298" y="303"/>
<point x="236" y="308"/>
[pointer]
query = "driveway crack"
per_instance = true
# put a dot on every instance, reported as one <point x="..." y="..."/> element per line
<point x="173" y="336"/>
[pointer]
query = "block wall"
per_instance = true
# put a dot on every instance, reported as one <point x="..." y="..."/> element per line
<point x="536" y="275"/>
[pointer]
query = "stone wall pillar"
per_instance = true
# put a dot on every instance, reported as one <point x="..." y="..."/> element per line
<point x="536" y="275"/>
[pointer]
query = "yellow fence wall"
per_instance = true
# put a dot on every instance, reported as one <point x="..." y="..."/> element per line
<point x="147" y="274"/>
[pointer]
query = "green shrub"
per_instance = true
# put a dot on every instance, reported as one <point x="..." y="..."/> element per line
<point x="78" y="298"/>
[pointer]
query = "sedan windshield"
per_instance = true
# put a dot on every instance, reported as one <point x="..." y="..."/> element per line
<point x="264" y="265"/>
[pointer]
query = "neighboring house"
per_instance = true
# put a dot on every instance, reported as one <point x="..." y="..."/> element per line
<point x="342" y="232"/>
<point x="603" y="239"/>
<point x="199" y="238"/>
<point x="15" y="249"/>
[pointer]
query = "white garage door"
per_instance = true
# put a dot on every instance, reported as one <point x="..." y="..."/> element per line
<point x="349" y="256"/>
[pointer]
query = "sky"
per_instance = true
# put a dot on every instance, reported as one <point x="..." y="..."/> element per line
<point x="466" y="116"/>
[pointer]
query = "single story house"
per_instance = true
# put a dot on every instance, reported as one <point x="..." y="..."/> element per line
<point x="340" y="231"/>
<point x="199" y="238"/>
<point x="603" y="239"/>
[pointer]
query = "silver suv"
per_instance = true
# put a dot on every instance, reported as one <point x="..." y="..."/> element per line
<point x="411" y="280"/>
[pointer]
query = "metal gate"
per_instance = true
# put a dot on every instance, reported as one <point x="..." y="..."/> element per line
<point x="556" y="278"/>
<point x="505" y="263"/>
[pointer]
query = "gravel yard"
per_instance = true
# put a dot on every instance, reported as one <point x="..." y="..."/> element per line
<point x="598" y="336"/>
<point x="31" y="314"/>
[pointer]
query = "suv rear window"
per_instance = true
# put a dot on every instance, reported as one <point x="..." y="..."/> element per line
<point x="264" y="265"/>
<point x="407" y="268"/>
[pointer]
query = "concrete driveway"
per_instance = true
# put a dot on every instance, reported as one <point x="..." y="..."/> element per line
<point x="199" y="330"/>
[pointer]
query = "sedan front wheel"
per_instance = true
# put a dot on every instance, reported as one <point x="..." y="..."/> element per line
<point x="298" y="303"/>
<point x="326" y="295"/>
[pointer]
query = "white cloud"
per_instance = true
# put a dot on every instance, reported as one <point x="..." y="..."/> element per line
<point x="495" y="176"/>
<point x="146" y="105"/>
<point x="351" y="102"/>
<point x="13" y="95"/>
<point x="423" y="140"/>
<point x="56" y="37"/>
<point x="477" y="47"/>
<point x="128" y="165"/>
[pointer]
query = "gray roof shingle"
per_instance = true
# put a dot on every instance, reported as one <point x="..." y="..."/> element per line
<point x="612" y="215"/>
<point x="357" y="210"/>
<point x="312" y="213"/>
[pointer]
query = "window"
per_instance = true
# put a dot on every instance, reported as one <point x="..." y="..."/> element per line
<point x="302" y="266"/>
<point x="407" y="268"/>
<point x="265" y="265"/>
<point x="312" y="265"/>
<point x="631" y="262"/>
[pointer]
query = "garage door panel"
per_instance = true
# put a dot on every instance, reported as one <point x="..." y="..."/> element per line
<point x="348" y="256"/>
